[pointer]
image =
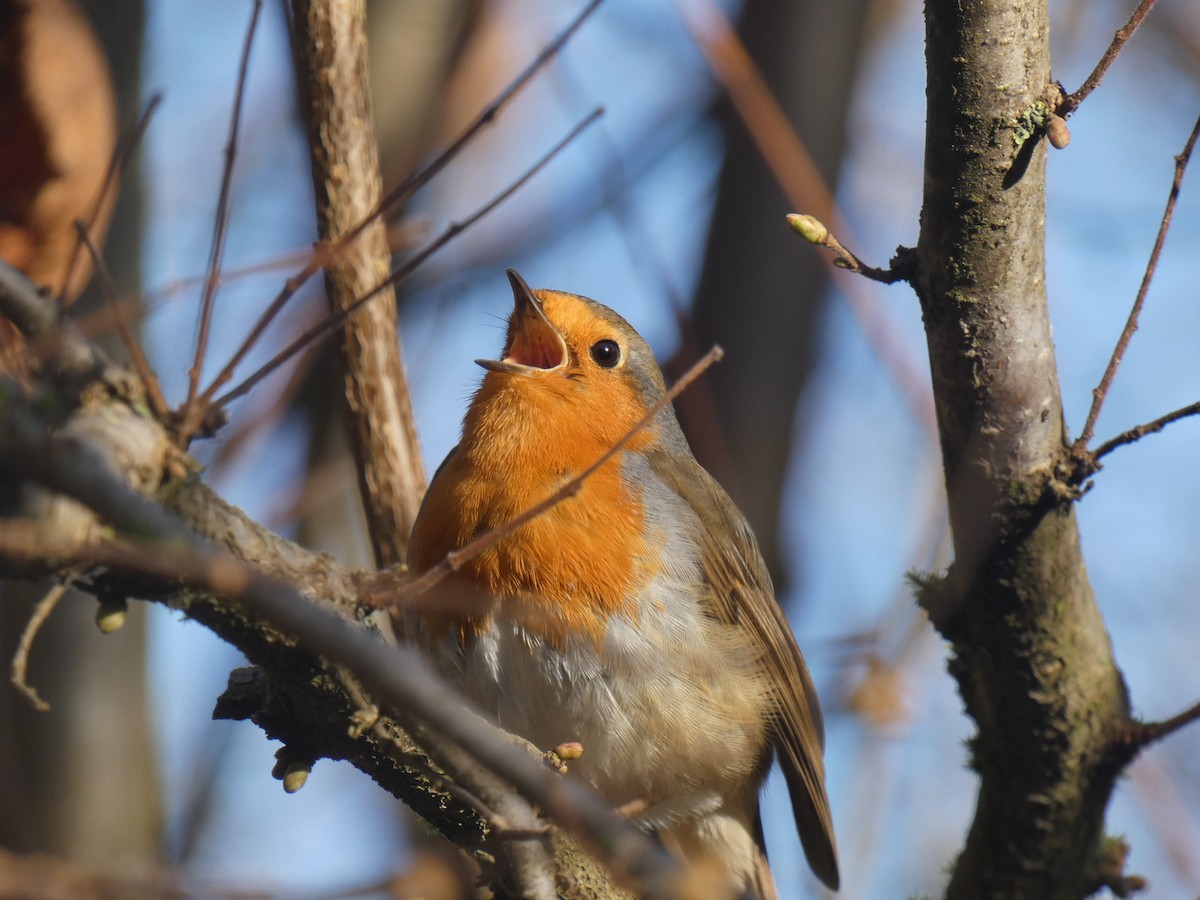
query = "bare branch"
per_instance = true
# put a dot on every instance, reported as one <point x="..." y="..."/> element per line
<point x="1123" y="34"/>
<point x="37" y="317"/>
<point x="791" y="165"/>
<point x="1140" y="431"/>
<point x="330" y="50"/>
<point x="1142" y="734"/>
<point x="116" y="165"/>
<point x="140" y="364"/>
<point x="1101" y="392"/>
<point x="20" y="661"/>
<point x="221" y="222"/>
<point x="531" y="861"/>
<point x="422" y="177"/>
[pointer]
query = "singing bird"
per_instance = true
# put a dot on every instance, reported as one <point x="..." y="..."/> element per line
<point x="635" y="617"/>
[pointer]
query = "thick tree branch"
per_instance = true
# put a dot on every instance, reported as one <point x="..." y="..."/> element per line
<point x="1030" y="652"/>
<point x="330" y="45"/>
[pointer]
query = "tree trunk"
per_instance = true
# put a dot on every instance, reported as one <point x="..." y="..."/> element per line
<point x="1030" y="651"/>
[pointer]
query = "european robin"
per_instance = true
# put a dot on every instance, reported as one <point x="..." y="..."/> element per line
<point x="636" y="617"/>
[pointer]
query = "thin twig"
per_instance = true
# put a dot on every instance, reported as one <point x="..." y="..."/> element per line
<point x="810" y="228"/>
<point x="221" y="224"/>
<point x="403" y="271"/>
<point x="643" y="251"/>
<point x="406" y="188"/>
<point x="116" y="165"/>
<point x="1140" y="431"/>
<point x="1131" y="324"/>
<point x="1122" y="35"/>
<point x="20" y="660"/>
<point x="1146" y="733"/>
<point x="458" y="558"/>
<point x="419" y="179"/>
<point x="140" y="364"/>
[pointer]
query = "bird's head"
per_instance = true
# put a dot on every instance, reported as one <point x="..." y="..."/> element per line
<point x="575" y="367"/>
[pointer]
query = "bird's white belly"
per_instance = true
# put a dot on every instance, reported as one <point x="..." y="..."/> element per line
<point x="655" y="725"/>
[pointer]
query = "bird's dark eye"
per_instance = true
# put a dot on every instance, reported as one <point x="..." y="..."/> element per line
<point x="606" y="353"/>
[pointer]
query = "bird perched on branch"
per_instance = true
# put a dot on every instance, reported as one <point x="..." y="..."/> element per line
<point x="636" y="616"/>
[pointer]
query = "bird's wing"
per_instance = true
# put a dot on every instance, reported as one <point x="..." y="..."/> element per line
<point x="742" y="594"/>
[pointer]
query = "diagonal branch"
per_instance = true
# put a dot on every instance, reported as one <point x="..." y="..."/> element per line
<point x="1140" y="431"/>
<point x="1079" y="448"/>
<point x="1072" y="101"/>
<point x="116" y="165"/>
<point x="89" y="456"/>
<point x="36" y="316"/>
<point x="902" y="267"/>
<point x="141" y="365"/>
<point x="451" y="232"/>
<point x="1145" y="733"/>
<point x="221" y="223"/>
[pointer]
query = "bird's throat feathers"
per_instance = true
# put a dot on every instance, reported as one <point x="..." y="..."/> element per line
<point x="551" y="422"/>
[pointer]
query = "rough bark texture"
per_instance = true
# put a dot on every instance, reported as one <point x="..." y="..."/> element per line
<point x="331" y="58"/>
<point x="1030" y="651"/>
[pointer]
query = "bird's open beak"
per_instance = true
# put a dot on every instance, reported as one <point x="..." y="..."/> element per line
<point x="533" y="344"/>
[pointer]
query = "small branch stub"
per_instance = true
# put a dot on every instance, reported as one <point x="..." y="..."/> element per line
<point x="815" y="232"/>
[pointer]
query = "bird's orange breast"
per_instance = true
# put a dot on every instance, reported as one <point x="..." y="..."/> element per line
<point x="566" y="571"/>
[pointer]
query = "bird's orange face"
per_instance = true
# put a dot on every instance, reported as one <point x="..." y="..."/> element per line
<point x="578" y="370"/>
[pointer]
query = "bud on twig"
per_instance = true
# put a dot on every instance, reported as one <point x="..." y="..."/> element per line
<point x="809" y="227"/>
